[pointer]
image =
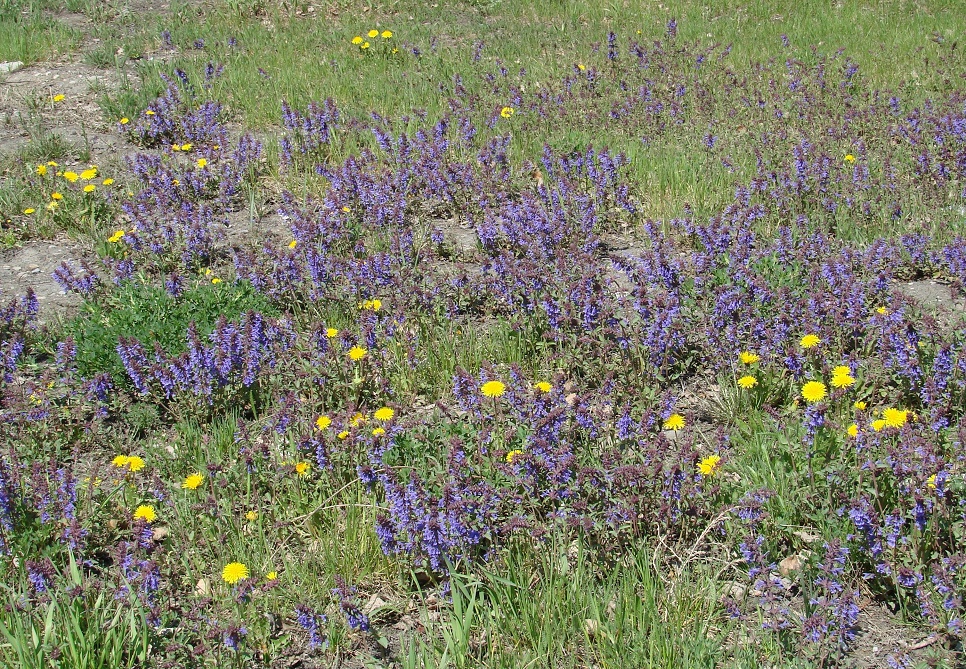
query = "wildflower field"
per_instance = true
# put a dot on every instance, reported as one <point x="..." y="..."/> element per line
<point x="547" y="333"/>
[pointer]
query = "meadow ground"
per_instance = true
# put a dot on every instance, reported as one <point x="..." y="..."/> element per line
<point x="482" y="334"/>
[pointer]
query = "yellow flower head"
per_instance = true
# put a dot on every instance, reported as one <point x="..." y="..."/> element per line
<point x="56" y="196"/>
<point x="125" y="120"/>
<point x="365" y="45"/>
<point x="709" y="466"/>
<point x="42" y="170"/>
<point x="674" y="422"/>
<point x="810" y="341"/>
<point x="543" y="386"/>
<point x="378" y="432"/>
<point x="234" y="572"/>
<point x="813" y="391"/>
<point x="878" y="424"/>
<point x="343" y="435"/>
<point x="116" y="237"/>
<point x="322" y="422"/>
<point x="192" y="481"/>
<point x="507" y="112"/>
<point x="202" y="163"/>
<point x="895" y="417"/>
<point x="386" y="34"/>
<point x="302" y="468"/>
<point x="492" y="389"/>
<point x="357" y="40"/>
<point x="384" y="414"/>
<point x="87" y="175"/>
<point x="271" y="576"/>
<point x="71" y="176"/>
<point x="747" y="382"/>
<point x="107" y="182"/>
<point x="512" y="455"/>
<point x="931" y="482"/>
<point x="90" y="188"/>
<point x="120" y="461"/>
<point x="357" y="353"/>
<point x="251" y="515"/>
<point x="187" y="147"/>
<point x="882" y="311"/>
<point x="175" y="147"/>
<point x="216" y="280"/>
<point x="135" y="464"/>
<point x="372" y="33"/>
<point x="292" y="244"/>
<point x="859" y="405"/>
<point x="748" y="357"/>
<point x="51" y="206"/>
<point x="853" y="430"/>
<point x="331" y="333"/>
<point x="842" y="381"/>
<point x="146" y="512"/>
<point x="29" y="210"/>
<point x="842" y="370"/>
<point x="59" y="97"/>
<point x="849" y="158"/>
<point x="149" y="112"/>
<point x="357" y="420"/>
<point x="581" y="67"/>
<point x="371" y="305"/>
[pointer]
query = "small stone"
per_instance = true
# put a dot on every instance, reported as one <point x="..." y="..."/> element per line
<point x="591" y="627"/>
<point x="203" y="587"/>
<point x="160" y="533"/>
<point x="375" y="602"/>
<point x="10" y="66"/>
<point x="790" y="565"/>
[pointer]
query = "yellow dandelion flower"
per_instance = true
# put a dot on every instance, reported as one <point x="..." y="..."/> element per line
<point x="71" y="176"/>
<point x="386" y="34"/>
<point x="709" y="466"/>
<point x="842" y="370"/>
<point x="492" y="389"/>
<point x="116" y="237"/>
<point x="513" y="455"/>
<point x="175" y="147"/>
<point x="292" y="244"/>
<point x="346" y="209"/>
<point x="331" y="333"/>
<point x="149" y="112"/>
<point x="234" y="572"/>
<point x="813" y="391"/>
<point x="384" y="414"/>
<point x="42" y="170"/>
<point x="507" y="112"/>
<point x="543" y="386"/>
<point x="90" y="188"/>
<point x="749" y="358"/>
<point x="192" y="481"/>
<point x="895" y="417"/>
<point x="378" y="432"/>
<point x="357" y="353"/>
<point x="842" y="381"/>
<point x="107" y="182"/>
<point x="202" y="163"/>
<point x="357" y="420"/>
<point x="372" y="33"/>
<point x="343" y="435"/>
<point x="51" y="206"/>
<point x="120" y="461"/>
<point x="882" y="311"/>
<point x="251" y="515"/>
<point x="849" y="158"/>
<point x="59" y="97"/>
<point x="365" y="45"/>
<point x="125" y="120"/>
<point x="747" y="382"/>
<point x="302" y="468"/>
<point x="216" y="281"/>
<point x="187" y="147"/>
<point x="931" y="482"/>
<point x="853" y="430"/>
<point x="29" y="210"/>
<point x="322" y="422"/>
<point x="135" y="464"/>
<point x="674" y="422"/>
<point x="146" y="512"/>
<point x="271" y="576"/>
<point x="357" y="40"/>
<point x="859" y="405"/>
<point x="87" y="175"/>
<point x="581" y="67"/>
<point x="810" y="341"/>
<point x="878" y="424"/>
<point x="56" y="196"/>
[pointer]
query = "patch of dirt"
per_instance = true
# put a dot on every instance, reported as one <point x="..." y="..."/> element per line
<point x="932" y="294"/>
<point x="32" y="266"/>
